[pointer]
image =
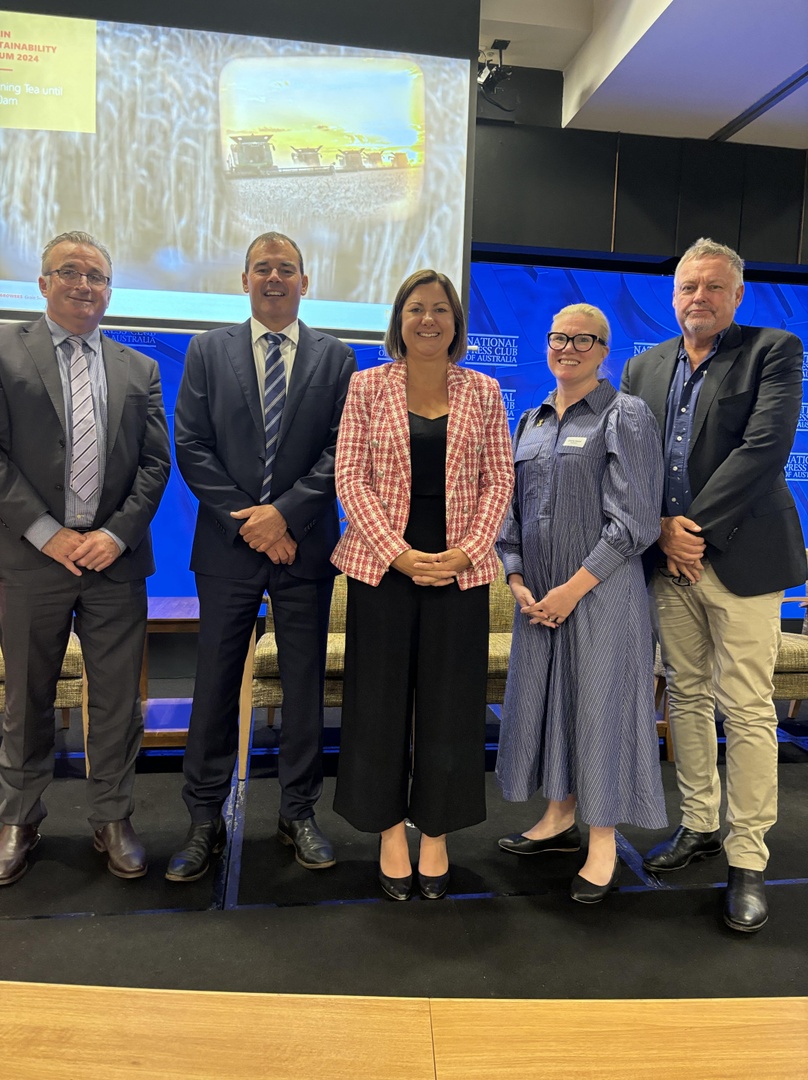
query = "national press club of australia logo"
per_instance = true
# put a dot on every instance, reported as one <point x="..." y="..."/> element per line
<point x="493" y="350"/>
<point x="797" y="468"/>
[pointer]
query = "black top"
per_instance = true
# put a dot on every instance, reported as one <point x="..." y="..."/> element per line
<point x="426" y="528"/>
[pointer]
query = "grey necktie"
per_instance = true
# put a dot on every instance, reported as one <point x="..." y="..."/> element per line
<point x="84" y="460"/>
<point x="274" y="398"/>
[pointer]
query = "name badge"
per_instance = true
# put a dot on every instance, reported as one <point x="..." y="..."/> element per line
<point x="575" y="440"/>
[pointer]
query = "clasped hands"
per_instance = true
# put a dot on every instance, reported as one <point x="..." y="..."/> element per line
<point x="553" y="608"/>
<point x="683" y="548"/>
<point x="427" y="568"/>
<point x="265" y="530"/>
<point x="94" y="550"/>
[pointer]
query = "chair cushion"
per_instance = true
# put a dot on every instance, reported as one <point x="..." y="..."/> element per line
<point x="266" y="657"/>
<point x="793" y="653"/>
<point x="71" y="665"/>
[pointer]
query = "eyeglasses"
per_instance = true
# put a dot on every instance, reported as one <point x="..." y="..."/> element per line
<point x="677" y="579"/>
<point x="580" y="342"/>
<point x="73" y="277"/>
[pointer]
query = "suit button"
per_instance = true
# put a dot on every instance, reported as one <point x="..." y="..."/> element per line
<point x="60" y="487"/>
<point x="62" y="443"/>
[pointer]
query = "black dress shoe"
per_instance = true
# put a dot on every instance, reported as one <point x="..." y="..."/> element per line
<point x="587" y="892"/>
<point x="312" y="849"/>
<point x="204" y="839"/>
<point x="568" y="840"/>
<point x="127" y="856"/>
<point x="433" y="888"/>
<point x="15" y="843"/>
<point x="745" y="906"/>
<point x="681" y="849"/>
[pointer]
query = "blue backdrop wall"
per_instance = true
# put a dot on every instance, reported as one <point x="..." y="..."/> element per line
<point x="510" y="310"/>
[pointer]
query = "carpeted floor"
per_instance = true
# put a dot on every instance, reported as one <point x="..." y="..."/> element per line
<point x="508" y="929"/>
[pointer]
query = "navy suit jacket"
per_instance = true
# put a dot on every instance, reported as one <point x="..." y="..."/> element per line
<point x="32" y="448"/>
<point x="743" y="431"/>
<point x="220" y="443"/>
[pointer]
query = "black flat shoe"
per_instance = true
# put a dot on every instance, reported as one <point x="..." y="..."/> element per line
<point x="568" y="840"/>
<point x="745" y="906"/>
<point x="396" y="888"/>
<point x="433" y="888"/>
<point x="681" y="849"/>
<point x="586" y="892"/>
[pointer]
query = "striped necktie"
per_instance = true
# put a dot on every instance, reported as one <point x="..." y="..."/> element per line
<point x="84" y="459"/>
<point x="274" y="398"/>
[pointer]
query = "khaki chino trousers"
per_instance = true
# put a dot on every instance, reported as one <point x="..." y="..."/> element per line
<point x="719" y="649"/>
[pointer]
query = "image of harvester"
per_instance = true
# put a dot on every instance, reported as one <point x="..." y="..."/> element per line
<point x="251" y="155"/>
<point x="353" y="160"/>
<point x="307" y="160"/>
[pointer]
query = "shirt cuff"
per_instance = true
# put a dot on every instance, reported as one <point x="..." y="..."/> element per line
<point x="512" y="564"/>
<point x="603" y="560"/>
<point x="117" y="539"/>
<point x="42" y="530"/>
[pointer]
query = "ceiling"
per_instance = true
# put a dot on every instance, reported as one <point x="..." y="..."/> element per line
<point x="683" y="68"/>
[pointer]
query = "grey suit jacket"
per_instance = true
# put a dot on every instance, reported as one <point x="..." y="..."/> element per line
<point x="32" y="448"/>
<point x="743" y="431"/>
<point x="220" y="444"/>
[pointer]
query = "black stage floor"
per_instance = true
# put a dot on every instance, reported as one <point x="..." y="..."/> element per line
<point x="508" y="928"/>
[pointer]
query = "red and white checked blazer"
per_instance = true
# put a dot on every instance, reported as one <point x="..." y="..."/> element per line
<point x="374" y="476"/>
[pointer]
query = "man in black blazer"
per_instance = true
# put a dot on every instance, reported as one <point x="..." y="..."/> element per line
<point x="261" y="464"/>
<point x="727" y="399"/>
<point x="84" y="461"/>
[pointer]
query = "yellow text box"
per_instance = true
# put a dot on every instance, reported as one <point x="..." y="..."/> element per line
<point x="47" y="72"/>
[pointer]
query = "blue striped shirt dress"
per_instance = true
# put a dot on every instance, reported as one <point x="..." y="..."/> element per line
<point x="578" y="715"/>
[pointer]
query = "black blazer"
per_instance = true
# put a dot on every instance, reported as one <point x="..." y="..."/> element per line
<point x="32" y="448"/>
<point x="220" y="444"/>
<point x="743" y="431"/>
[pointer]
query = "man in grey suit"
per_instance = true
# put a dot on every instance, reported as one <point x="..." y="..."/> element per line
<point x="727" y="399"/>
<point x="255" y="429"/>
<point x="84" y="461"/>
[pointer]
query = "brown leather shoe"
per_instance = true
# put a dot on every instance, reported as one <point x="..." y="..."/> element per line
<point x="127" y="856"/>
<point x="15" y="843"/>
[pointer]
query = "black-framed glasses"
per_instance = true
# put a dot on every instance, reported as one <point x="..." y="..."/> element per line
<point x="677" y="579"/>
<point x="580" y="342"/>
<point x="70" y="276"/>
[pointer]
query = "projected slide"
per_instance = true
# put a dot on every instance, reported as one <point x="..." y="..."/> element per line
<point x="176" y="147"/>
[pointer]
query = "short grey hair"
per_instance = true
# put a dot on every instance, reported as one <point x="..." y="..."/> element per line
<point x="272" y="238"/>
<point x="75" y="237"/>
<point x="705" y="248"/>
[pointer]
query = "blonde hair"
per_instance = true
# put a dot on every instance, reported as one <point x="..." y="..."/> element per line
<point x="590" y="312"/>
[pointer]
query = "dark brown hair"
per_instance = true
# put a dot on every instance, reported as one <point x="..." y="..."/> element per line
<point x="394" y="343"/>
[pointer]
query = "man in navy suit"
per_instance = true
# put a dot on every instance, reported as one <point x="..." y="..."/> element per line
<point x="727" y="399"/>
<point x="255" y="428"/>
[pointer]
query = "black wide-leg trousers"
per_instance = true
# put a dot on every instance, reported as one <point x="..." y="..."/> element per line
<point x="416" y="664"/>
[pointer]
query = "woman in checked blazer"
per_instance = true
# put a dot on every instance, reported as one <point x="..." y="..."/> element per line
<point x="424" y="473"/>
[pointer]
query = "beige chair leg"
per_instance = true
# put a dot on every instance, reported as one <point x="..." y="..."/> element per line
<point x="669" y="754"/>
<point x="794" y="708"/>
<point x="85" y="718"/>
<point x="270" y="715"/>
<point x="65" y="719"/>
<point x="663" y="725"/>
<point x="245" y="711"/>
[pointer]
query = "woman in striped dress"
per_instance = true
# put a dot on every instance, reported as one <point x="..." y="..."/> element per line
<point x="578" y="717"/>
